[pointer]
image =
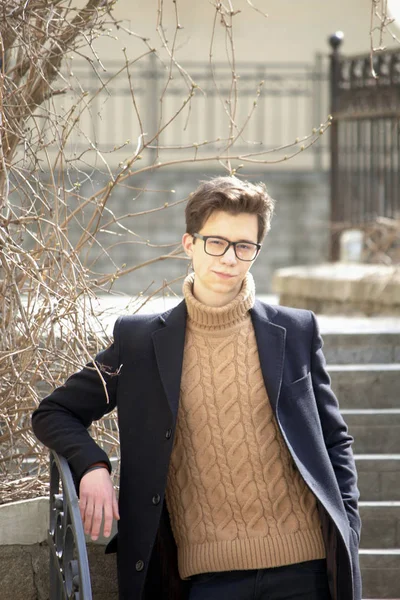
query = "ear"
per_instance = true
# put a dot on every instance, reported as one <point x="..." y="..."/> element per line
<point x="187" y="243"/>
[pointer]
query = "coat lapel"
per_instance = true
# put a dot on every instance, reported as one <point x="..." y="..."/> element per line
<point x="271" y="349"/>
<point x="168" y="345"/>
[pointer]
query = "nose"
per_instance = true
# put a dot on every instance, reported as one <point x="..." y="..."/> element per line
<point x="229" y="258"/>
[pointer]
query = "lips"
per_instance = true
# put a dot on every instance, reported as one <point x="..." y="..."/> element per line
<point x="224" y="275"/>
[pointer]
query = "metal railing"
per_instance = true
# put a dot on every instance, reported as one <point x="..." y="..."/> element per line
<point x="69" y="567"/>
<point x="293" y="99"/>
<point x="365" y="139"/>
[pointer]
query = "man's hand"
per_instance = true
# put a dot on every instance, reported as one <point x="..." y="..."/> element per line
<point x="97" y="495"/>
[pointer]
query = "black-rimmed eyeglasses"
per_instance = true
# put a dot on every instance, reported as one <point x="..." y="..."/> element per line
<point x="214" y="245"/>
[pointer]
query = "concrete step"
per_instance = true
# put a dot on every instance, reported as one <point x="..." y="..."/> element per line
<point x="378" y="476"/>
<point x="375" y="431"/>
<point x="380" y="525"/>
<point x="380" y="573"/>
<point x="366" y="386"/>
<point x="360" y="348"/>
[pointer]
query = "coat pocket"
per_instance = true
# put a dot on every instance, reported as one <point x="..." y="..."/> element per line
<point x="298" y="388"/>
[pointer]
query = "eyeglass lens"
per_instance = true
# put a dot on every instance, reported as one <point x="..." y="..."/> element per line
<point x="243" y="250"/>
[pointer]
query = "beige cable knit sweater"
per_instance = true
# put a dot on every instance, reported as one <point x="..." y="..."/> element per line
<point x="235" y="497"/>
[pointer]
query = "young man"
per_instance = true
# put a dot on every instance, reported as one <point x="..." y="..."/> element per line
<point x="237" y="475"/>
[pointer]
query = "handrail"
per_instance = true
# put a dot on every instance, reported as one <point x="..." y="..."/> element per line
<point x="69" y="567"/>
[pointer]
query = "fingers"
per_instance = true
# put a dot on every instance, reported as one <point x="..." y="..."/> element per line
<point x="97" y="498"/>
<point x="96" y="520"/>
<point x="88" y="517"/>
<point x="93" y="517"/>
<point x="115" y="508"/>
<point x="108" y="519"/>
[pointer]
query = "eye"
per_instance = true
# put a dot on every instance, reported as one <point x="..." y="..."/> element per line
<point x="245" y="247"/>
<point x="216" y="242"/>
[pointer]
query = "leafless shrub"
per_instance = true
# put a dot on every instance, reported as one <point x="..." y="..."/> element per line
<point x="380" y="29"/>
<point x="382" y="242"/>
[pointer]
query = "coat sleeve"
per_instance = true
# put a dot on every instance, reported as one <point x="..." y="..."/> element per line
<point x="337" y="439"/>
<point x="62" y="419"/>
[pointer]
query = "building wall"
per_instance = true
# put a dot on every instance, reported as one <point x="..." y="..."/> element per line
<point x="293" y="30"/>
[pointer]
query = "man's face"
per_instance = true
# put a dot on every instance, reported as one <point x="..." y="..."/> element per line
<point x="218" y="279"/>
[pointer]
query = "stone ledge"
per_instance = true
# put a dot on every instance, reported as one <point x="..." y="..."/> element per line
<point x="24" y="554"/>
<point x="26" y="522"/>
<point x="345" y="288"/>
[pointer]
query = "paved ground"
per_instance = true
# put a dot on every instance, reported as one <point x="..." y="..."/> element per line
<point x="116" y="305"/>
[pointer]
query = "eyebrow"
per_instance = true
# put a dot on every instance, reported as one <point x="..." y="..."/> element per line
<point x="220" y="237"/>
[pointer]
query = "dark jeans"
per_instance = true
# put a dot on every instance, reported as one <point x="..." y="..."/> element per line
<point x="301" y="581"/>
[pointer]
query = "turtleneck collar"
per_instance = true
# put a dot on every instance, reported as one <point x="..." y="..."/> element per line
<point x="221" y="317"/>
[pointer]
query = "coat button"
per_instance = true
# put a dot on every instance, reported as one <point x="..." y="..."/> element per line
<point x="156" y="499"/>
<point x="168" y="433"/>
<point x="139" y="565"/>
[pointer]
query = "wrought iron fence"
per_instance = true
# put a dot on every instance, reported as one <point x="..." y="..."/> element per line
<point x="69" y="567"/>
<point x="294" y="98"/>
<point x="365" y="139"/>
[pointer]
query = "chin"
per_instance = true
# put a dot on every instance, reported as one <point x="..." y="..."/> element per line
<point x="227" y="287"/>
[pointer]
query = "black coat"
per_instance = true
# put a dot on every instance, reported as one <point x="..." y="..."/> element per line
<point x="142" y="370"/>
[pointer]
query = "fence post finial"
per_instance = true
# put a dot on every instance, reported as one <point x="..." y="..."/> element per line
<point x="336" y="40"/>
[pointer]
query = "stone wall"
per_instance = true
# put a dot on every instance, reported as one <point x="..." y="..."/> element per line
<point x="24" y="572"/>
<point x="340" y="288"/>
<point x="24" y="555"/>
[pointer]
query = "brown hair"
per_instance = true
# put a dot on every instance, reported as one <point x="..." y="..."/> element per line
<point x="231" y="195"/>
